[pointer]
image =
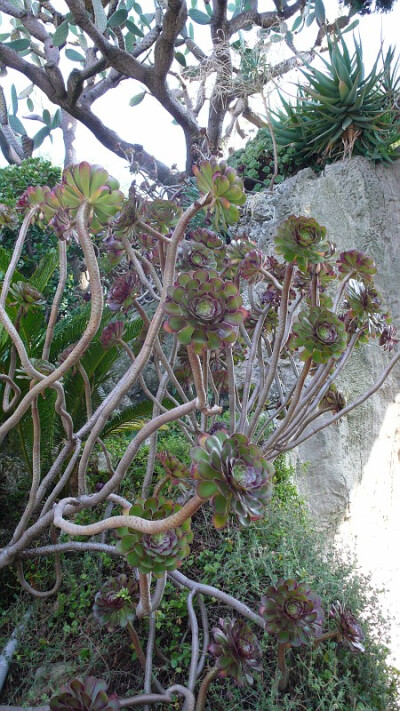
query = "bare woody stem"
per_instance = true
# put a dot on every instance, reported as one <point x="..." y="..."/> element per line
<point x="284" y="674"/>
<point x="205" y="685"/>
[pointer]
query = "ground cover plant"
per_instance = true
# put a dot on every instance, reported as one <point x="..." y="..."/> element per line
<point x="217" y="321"/>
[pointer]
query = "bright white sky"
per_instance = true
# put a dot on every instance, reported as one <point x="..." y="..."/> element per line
<point x="151" y="126"/>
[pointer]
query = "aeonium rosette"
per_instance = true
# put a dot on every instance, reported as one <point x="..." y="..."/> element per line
<point x="219" y="179"/>
<point x="321" y="334"/>
<point x="237" y="650"/>
<point x="84" y="695"/>
<point x="233" y="473"/>
<point x="203" y="310"/>
<point x="348" y="628"/>
<point x="157" y="552"/>
<point x="115" y="603"/>
<point x="292" y="612"/>
<point x="301" y="240"/>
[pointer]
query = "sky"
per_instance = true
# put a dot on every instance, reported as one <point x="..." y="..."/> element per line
<point x="149" y="124"/>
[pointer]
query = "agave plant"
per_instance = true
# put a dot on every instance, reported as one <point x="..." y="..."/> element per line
<point x="155" y="552"/>
<point x="343" y="111"/>
<point x="219" y="179"/>
<point x="292" y="612"/>
<point x="116" y="602"/>
<point x="237" y="650"/>
<point x="348" y="628"/>
<point x="301" y="240"/>
<point x="234" y="475"/>
<point x="88" y="695"/>
<point x="203" y="310"/>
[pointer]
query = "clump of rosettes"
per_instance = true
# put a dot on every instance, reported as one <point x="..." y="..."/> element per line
<point x="349" y="629"/>
<point x="301" y="240"/>
<point x="157" y="552"/>
<point x="321" y="334"/>
<point x="234" y="475"/>
<point x="203" y="310"/>
<point x="219" y="179"/>
<point x="116" y="602"/>
<point x="237" y="650"/>
<point x="292" y="612"/>
<point x="88" y="695"/>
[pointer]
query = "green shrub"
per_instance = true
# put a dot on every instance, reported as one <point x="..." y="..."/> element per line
<point x="255" y="162"/>
<point x="15" y="179"/>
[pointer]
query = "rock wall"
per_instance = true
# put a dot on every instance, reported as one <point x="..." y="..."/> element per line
<point x="359" y="204"/>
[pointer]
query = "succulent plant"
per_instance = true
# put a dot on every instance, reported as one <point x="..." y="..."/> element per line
<point x="123" y="292"/>
<point x="321" y="335"/>
<point x="349" y="630"/>
<point x="234" y="475"/>
<point x="216" y="177"/>
<point x="203" y="310"/>
<point x="158" y="552"/>
<point x="237" y="650"/>
<point x="91" y="183"/>
<point x="333" y="400"/>
<point x="292" y="612"/>
<point x="176" y="470"/>
<point x="302" y="240"/>
<point x="83" y="182"/>
<point x="116" y="602"/>
<point x="114" y="249"/>
<point x="26" y="296"/>
<point x="356" y="263"/>
<point x="387" y="338"/>
<point x="209" y="238"/>
<point x="194" y="255"/>
<point x="161" y="214"/>
<point x="112" y="334"/>
<point x="364" y="304"/>
<point x="252" y="266"/>
<point x="88" y="695"/>
<point x="341" y="110"/>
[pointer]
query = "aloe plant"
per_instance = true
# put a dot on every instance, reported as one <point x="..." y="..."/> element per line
<point x="341" y="110"/>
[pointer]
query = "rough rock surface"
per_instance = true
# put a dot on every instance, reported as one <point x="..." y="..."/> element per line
<point x="359" y="204"/>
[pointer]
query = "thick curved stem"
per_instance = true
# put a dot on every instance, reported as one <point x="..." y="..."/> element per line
<point x="62" y="249"/>
<point x="205" y="685"/>
<point x="135" y="522"/>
